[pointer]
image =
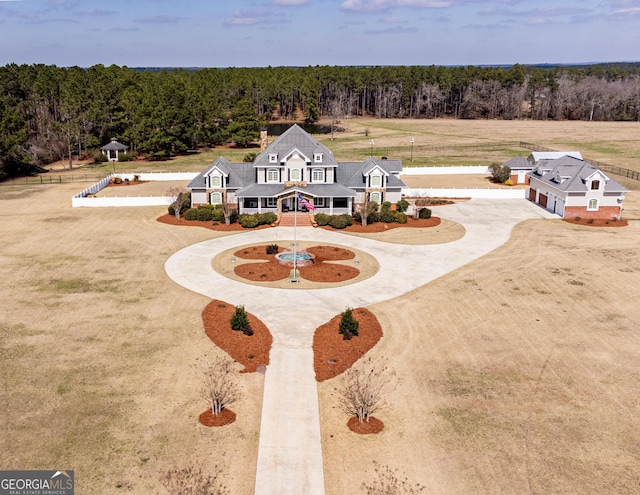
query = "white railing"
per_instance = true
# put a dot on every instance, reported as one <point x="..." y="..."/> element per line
<point x="446" y="170"/>
<point x="464" y="193"/>
<point x="81" y="199"/>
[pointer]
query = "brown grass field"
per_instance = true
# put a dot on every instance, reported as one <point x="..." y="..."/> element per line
<point x="518" y="373"/>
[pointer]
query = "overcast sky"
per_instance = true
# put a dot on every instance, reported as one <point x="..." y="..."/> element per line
<point x="257" y="33"/>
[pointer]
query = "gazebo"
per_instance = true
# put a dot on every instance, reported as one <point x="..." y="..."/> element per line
<point x="113" y="148"/>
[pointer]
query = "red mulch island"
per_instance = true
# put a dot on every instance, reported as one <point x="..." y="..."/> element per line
<point x="374" y="425"/>
<point x="225" y="417"/>
<point x="332" y="355"/>
<point x="271" y="270"/>
<point x="250" y="351"/>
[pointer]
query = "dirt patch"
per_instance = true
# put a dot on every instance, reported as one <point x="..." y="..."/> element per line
<point x="374" y="425"/>
<point x="332" y="355"/>
<point x="250" y="351"/>
<point x="125" y="183"/>
<point x="226" y="416"/>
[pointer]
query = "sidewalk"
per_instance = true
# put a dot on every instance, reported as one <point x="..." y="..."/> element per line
<point x="290" y="450"/>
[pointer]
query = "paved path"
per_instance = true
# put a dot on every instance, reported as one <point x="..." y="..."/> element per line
<point x="290" y="451"/>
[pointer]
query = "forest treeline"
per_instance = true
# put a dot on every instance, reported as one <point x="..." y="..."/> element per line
<point x="48" y="113"/>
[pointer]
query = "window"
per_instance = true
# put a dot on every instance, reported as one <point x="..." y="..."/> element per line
<point x="273" y="175"/>
<point x="595" y="185"/>
<point x="294" y="174"/>
<point x="376" y="181"/>
<point x="340" y="202"/>
<point x="318" y="202"/>
<point x="273" y="158"/>
<point x="216" y="181"/>
<point x="216" y="198"/>
<point x="376" y="197"/>
<point x="317" y="175"/>
<point x="317" y="157"/>
<point x="593" y="204"/>
<point x="250" y="202"/>
<point x="272" y="202"/>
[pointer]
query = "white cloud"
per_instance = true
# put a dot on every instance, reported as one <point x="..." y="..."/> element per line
<point x="378" y="5"/>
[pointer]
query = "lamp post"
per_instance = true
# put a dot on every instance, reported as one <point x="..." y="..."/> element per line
<point x="412" y="141"/>
<point x="371" y="152"/>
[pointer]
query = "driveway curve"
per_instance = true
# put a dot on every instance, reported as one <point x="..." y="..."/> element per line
<point x="290" y="451"/>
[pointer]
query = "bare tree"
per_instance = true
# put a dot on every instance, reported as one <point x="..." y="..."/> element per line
<point x="367" y="208"/>
<point x="389" y="482"/>
<point x="228" y="209"/>
<point x="192" y="481"/>
<point x="176" y="196"/>
<point x="363" y="389"/>
<point x="219" y="386"/>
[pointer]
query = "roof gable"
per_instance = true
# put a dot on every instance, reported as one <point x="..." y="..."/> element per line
<point x="296" y="138"/>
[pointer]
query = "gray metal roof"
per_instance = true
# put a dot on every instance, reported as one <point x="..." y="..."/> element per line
<point x="295" y="138"/>
<point x="573" y="177"/>
<point x="350" y="176"/>
<point x="114" y="145"/>
<point x="518" y="163"/>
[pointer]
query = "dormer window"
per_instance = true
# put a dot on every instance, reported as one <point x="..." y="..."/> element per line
<point x="595" y="185"/>
<point x="376" y="181"/>
<point x="317" y="175"/>
<point x="273" y="158"/>
<point x="317" y="157"/>
<point x="273" y="175"/>
<point x="216" y="181"/>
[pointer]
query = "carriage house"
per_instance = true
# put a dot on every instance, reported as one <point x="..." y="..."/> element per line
<point x="571" y="187"/>
<point x="296" y="163"/>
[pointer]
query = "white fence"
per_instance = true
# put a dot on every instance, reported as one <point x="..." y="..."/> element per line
<point x="446" y="170"/>
<point x="81" y="199"/>
<point x="464" y="193"/>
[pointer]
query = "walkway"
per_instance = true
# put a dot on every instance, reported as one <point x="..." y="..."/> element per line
<point x="290" y="451"/>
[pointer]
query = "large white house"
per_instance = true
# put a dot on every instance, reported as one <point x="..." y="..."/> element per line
<point x="571" y="187"/>
<point x="295" y="163"/>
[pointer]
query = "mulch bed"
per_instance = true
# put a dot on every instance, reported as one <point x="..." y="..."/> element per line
<point x="268" y="271"/>
<point x="225" y="417"/>
<point x="250" y="351"/>
<point x="373" y="228"/>
<point x="125" y="183"/>
<point x="219" y="227"/>
<point x="597" y="222"/>
<point x="374" y="425"/>
<point x="356" y="227"/>
<point x="332" y="355"/>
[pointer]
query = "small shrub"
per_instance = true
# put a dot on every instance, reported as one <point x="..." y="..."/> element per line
<point x="99" y="157"/>
<point x="125" y="157"/>
<point x="348" y="326"/>
<point x="249" y="221"/>
<point x="508" y="182"/>
<point x="267" y="218"/>
<point x="341" y="221"/>
<point x="240" y="319"/>
<point x="203" y="214"/>
<point x="424" y="213"/>
<point x="402" y="205"/>
<point x="386" y="205"/>
<point x="387" y="216"/>
<point x="250" y="157"/>
<point x="400" y="217"/>
<point x="191" y="214"/>
<point x="272" y="249"/>
<point x="248" y="331"/>
<point x="373" y="217"/>
<point x="322" y="219"/>
<point x="217" y="215"/>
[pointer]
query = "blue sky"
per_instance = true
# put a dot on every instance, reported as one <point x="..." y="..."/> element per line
<point x="257" y="33"/>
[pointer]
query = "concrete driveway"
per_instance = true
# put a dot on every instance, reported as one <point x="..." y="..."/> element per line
<point x="290" y="451"/>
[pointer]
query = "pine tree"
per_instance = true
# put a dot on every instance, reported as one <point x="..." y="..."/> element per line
<point x="348" y="325"/>
<point x="240" y="320"/>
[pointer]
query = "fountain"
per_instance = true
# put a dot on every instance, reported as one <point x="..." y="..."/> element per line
<point x="300" y="258"/>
